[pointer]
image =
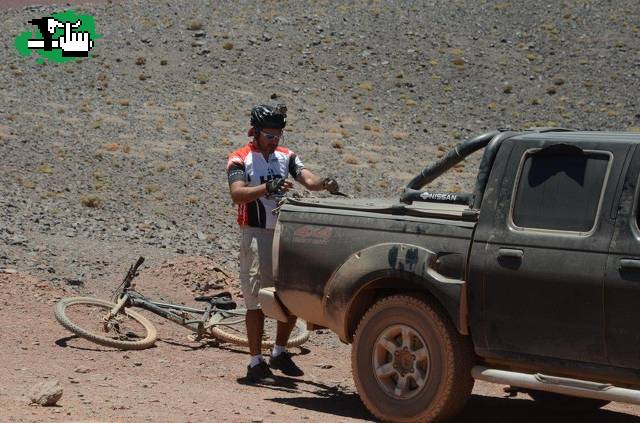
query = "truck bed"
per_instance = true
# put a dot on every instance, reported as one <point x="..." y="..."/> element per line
<point x="389" y="206"/>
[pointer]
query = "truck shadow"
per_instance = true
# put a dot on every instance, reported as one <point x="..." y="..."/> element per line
<point x="340" y="403"/>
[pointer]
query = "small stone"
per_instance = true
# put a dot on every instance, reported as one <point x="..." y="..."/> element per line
<point x="551" y="90"/>
<point x="46" y="393"/>
<point x="199" y="34"/>
<point x="82" y="370"/>
<point x="74" y="281"/>
<point x="324" y="366"/>
<point x="274" y="96"/>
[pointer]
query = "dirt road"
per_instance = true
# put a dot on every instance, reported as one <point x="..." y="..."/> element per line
<point x="180" y="380"/>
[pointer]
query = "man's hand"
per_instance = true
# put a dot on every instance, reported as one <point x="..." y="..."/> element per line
<point x="279" y="185"/>
<point x="330" y="185"/>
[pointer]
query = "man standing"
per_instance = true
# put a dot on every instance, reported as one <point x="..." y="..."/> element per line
<point x="257" y="176"/>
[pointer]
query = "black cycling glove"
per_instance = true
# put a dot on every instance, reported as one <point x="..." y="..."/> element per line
<point x="330" y="185"/>
<point x="275" y="185"/>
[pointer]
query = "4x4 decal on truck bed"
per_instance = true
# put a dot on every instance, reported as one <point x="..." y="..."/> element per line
<point x="312" y="235"/>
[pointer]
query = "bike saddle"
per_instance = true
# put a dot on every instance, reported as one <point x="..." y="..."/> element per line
<point x="222" y="300"/>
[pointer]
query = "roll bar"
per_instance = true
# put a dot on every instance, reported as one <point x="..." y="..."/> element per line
<point x="431" y="172"/>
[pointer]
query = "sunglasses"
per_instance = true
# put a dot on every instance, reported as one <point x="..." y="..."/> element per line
<point x="272" y="137"/>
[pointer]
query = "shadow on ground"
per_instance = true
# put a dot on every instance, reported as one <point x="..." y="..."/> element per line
<point x="335" y="402"/>
<point x="522" y="410"/>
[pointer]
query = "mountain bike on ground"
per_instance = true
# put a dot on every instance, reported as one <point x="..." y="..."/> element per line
<point x="115" y="324"/>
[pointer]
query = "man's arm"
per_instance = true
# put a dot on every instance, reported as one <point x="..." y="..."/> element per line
<point x="311" y="181"/>
<point x="241" y="192"/>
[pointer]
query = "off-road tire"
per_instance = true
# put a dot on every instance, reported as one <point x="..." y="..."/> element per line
<point x="299" y="334"/>
<point x="559" y="402"/>
<point x="146" y="342"/>
<point x="448" y="383"/>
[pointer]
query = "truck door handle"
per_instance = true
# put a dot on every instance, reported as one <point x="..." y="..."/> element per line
<point x="510" y="253"/>
<point x="630" y="264"/>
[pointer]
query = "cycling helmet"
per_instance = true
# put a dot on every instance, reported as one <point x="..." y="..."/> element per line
<point x="265" y="116"/>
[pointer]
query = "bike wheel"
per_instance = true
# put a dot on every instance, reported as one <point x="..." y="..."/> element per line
<point x="229" y="326"/>
<point x="85" y="317"/>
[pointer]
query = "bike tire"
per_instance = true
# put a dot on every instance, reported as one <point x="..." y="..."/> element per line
<point x="299" y="334"/>
<point x="61" y="315"/>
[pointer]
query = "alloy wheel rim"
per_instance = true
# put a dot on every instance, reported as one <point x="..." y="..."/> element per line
<point x="401" y="362"/>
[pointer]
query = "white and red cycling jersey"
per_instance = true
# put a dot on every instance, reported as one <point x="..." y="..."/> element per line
<point x="249" y="165"/>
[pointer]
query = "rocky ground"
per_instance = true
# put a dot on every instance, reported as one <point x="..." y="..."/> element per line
<point x="122" y="154"/>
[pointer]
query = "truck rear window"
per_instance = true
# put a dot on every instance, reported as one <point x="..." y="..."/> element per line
<point x="560" y="191"/>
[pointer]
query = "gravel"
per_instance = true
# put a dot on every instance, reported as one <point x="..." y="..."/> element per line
<point x="123" y="154"/>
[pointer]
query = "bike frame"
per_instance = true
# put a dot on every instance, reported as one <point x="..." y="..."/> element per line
<point x="167" y="311"/>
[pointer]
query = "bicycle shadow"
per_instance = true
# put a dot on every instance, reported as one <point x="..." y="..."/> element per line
<point x="64" y="343"/>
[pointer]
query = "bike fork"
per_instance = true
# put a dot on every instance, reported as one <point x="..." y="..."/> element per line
<point x="119" y="305"/>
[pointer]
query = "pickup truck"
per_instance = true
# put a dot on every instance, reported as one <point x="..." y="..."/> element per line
<point x="531" y="281"/>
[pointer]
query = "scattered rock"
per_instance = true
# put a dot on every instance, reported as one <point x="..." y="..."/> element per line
<point x="74" y="281"/>
<point x="324" y="366"/>
<point x="46" y="393"/>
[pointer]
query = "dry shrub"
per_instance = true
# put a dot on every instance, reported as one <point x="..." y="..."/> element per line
<point x="337" y="144"/>
<point x="91" y="201"/>
<point x="351" y="159"/>
<point x="397" y="135"/>
<point x="151" y="188"/>
<point x="112" y="146"/>
<point x="45" y="168"/>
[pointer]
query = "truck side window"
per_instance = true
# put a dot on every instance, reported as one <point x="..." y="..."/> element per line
<point x="638" y="212"/>
<point x="560" y="191"/>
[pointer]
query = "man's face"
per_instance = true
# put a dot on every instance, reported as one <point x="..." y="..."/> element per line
<point x="268" y="139"/>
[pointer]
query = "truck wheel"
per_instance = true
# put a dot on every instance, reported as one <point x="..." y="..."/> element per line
<point x="409" y="363"/>
<point x="553" y="401"/>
